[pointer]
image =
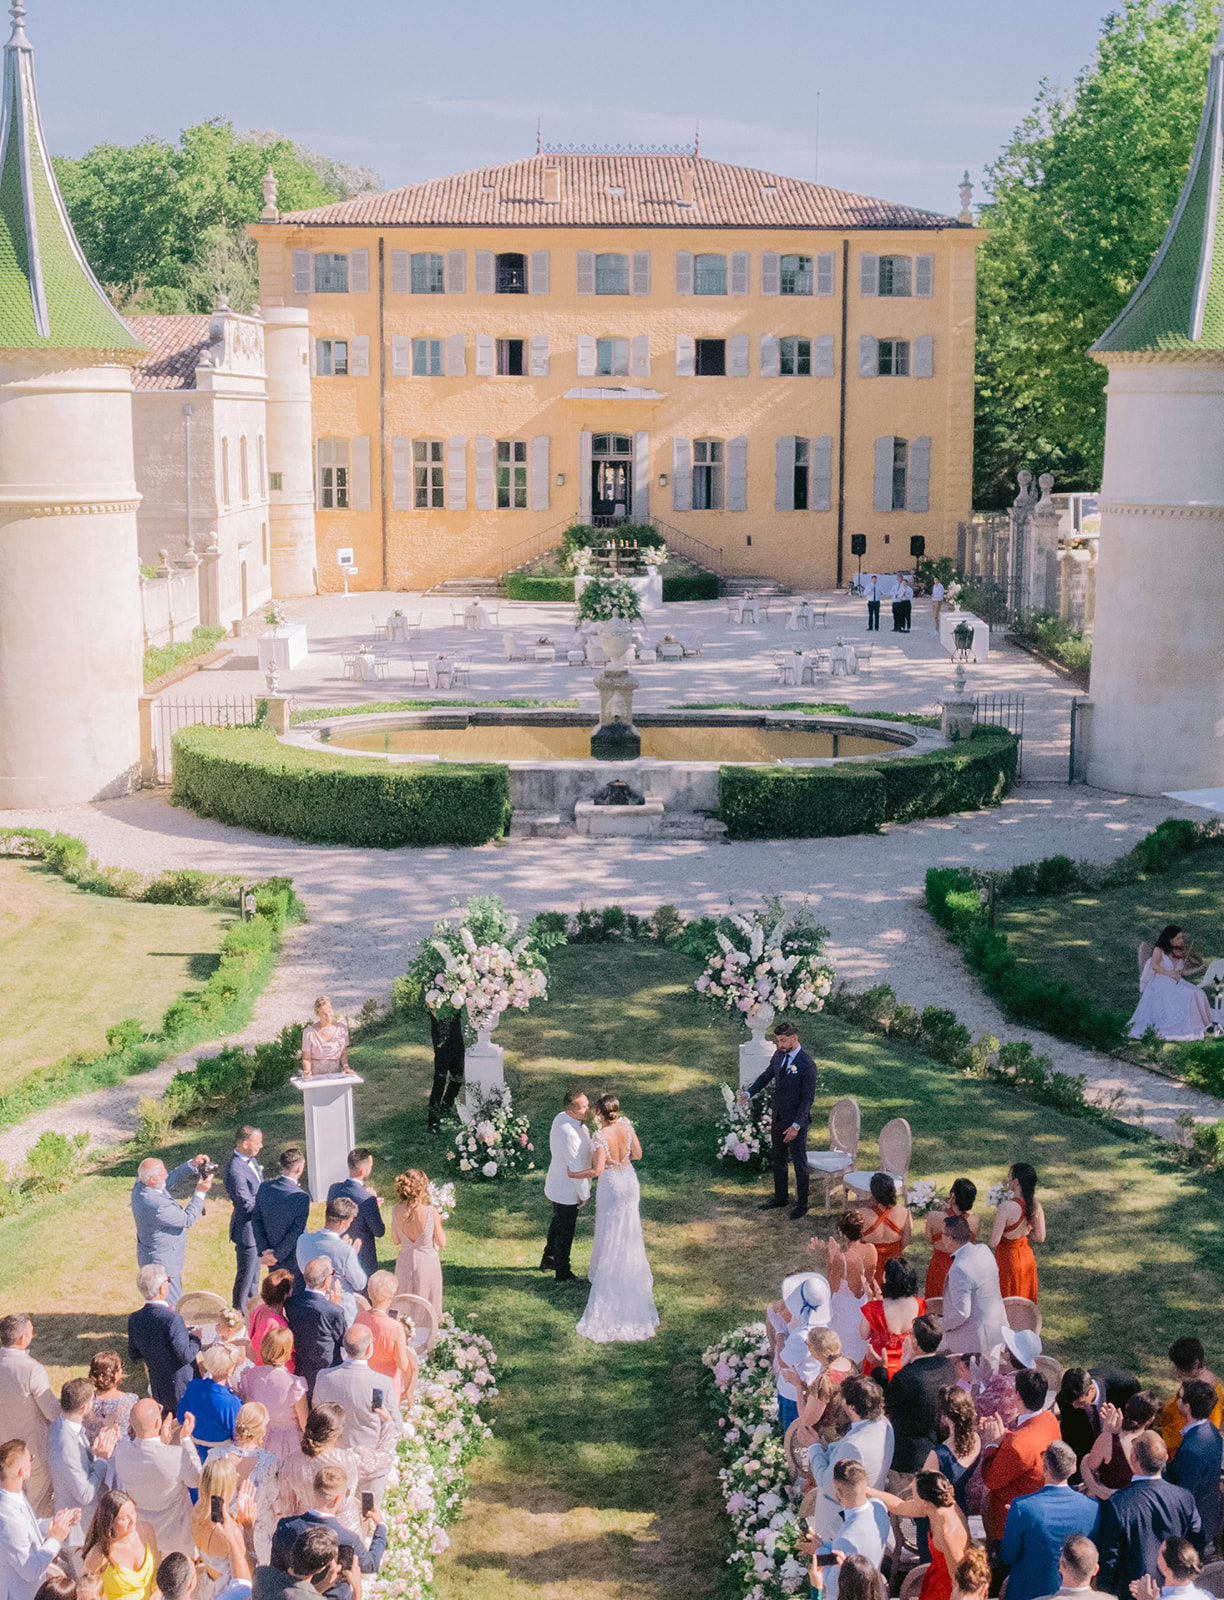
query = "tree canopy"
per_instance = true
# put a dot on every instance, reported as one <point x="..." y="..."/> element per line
<point x="1079" y="202"/>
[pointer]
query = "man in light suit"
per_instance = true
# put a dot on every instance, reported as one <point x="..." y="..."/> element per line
<point x="27" y="1405"/>
<point x="973" y="1312"/>
<point x="158" y="1474"/>
<point x="158" y="1336"/>
<point x="161" y="1222"/>
<point x="329" y="1241"/>
<point x="1136" y="1521"/>
<point x="1196" y="1466"/>
<point x="355" y="1386"/>
<point x="243" y="1176"/>
<point x="78" y="1473"/>
<point x="870" y="1440"/>
<point x="316" y="1321"/>
<point x="1013" y="1460"/>
<point x="281" y="1209"/>
<point x="368" y="1225"/>
<point x="793" y="1075"/>
<point x="28" y="1545"/>
<point x="1077" y="1567"/>
<point x="1038" y="1526"/>
<point x="569" y="1146"/>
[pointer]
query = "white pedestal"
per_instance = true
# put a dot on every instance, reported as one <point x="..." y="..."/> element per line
<point x="949" y="621"/>
<point x="286" y="646"/>
<point x="482" y="1071"/>
<point x="754" y="1057"/>
<point x="330" y="1130"/>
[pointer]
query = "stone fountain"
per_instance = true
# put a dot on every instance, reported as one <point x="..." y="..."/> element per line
<point x="616" y="739"/>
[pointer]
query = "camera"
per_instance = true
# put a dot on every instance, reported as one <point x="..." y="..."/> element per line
<point x="208" y="1168"/>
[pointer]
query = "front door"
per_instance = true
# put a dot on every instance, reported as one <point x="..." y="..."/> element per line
<point x="612" y="477"/>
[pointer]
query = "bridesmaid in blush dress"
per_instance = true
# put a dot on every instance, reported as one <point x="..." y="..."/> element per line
<point x="1018" y="1220"/>
<point x="417" y="1229"/>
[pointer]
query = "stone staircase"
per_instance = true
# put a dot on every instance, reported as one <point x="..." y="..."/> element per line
<point x="733" y="585"/>
<point x="467" y="588"/>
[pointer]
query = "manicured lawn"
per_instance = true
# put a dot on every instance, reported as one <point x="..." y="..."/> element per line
<point x="72" y="964"/>
<point x="1091" y="940"/>
<point x="597" y="1484"/>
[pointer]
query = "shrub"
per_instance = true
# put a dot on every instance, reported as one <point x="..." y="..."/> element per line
<point x="666" y="924"/>
<point x="965" y="777"/>
<point x="1055" y="875"/>
<point x="55" y="1162"/>
<point x="251" y="780"/>
<point x="154" y="1123"/>
<point x="1174" y="838"/>
<point x="162" y="658"/>
<point x="699" y="939"/>
<point x="186" y="887"/>
<point x="1207" y="1140"/>
<point x="125" y="1035"/>
<point x="527" y="586"/>
<point x="800" y="802"/>
<point x="691" y="586"/>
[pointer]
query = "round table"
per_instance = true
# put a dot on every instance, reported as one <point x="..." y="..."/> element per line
<point x="842" y="659"/>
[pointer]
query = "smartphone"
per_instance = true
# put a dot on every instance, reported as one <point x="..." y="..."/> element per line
<point x="825" y="1558"/>
<point x="348" y="1557"/>
<point x="367" y="1503"/>
<point x="376" y="1400"/>
<point x="218" y="1508"/>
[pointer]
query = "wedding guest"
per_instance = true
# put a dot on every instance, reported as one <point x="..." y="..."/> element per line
<point x="416" y="1228"/>
<point x="1168" y="1001"/>
<point x="112" y="1406"/>
<point x="937" y="600"/>
<point x="1081" y="1394"/>
<point x="330" y="1243"/>
<point x="214" y="1539"/>
<point x="270" y="1312"/>
<point x="78" y="1470"/>
<point x="27" y="1405"/>
<point x="322" y="1445"/>
<point x="1012" y="1461"/>
<point x="368" y="1225"/>
<point x="1138" y="1518"/>
<point x="1108" y="1466"/>
<point x="960" y="1202"/>
<point x="281" y="1393"/>
<point x="177" y="1576"/>
<point x="324" y="1042"/>
<point x="793" y="1074"/>
<point x="971" y="1579"/>
<point x="329" y="1490"/>
<point x="282" y="1208"/>
<point x="121" y="1549"/>
<point x="159" y="1337"/>
<point x="243" y="1176"/>
<point x="870" y="1440"/>
<point x="1039" y="1524"/>
<point x="158" y="1471"/>
<point x="898" y="604"/>
<point x="850" y="1273"/>
<point x="1178" y="1565"/>
<point x="362" y="1397"/>
<point x="1078" y="1565"/>
<point x="1189" y="1362"/>
<point x="856" y="1578"/>
<point x="391" y="1354"/>
<point x="161" y="1222"/>
<point x="806" y="1297"/>
<point x="1017" y="1220"/>
<point x="960" y="1450"/>
<point x="933" y="1500"/>
<point x="1196" y="1466"/>
<point x="28" y="1543"/>
<point x="209" y="1398"/>
<point x="911" y="1403"/>
<point x="998" y="1397"/>
<point x="317" y="1566"/>
<point x="973" y="1312"/>
<point x="871" y="591"/>
<point x="316" y="1321"/>
<point x="822" y="1414"/>
<point x="255" y="1465"/>
<point x="889" y="1317"/>
<point x="865" y="1527"/>
<point x="887" y="1223"/>
<point x="231" y="1331"/>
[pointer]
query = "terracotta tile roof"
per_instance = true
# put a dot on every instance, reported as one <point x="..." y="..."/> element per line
<point x="724" y="196"/>
<point x="175" y="347"/>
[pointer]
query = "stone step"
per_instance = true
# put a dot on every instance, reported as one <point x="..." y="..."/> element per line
<point x="460" y="588"/>
<point x="538" y="825"/>
<point x="762" y="586"/>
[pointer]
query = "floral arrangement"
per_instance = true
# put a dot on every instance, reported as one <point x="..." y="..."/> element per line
<point x="495" y="1143"/>
<point x="923" y="1196"/>
<point x="744" y="1132"/>
<point x="998" y="1192"/>
<point x="442" y="1198"/>
<point x="770" y="957"/>
<point x="544" y="640"/>
<point x="580" y="559"/>
<point x="653" y="556"/>
<point x="951" y="593"/>
<point x="755" y="1480"/>
<point x="444" y="1431"/>
<point x="609" y="600"/>
<point x="471" y="965"/>
<point x="275" y="616"/>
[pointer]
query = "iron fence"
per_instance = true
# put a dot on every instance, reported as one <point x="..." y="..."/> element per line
<point x="169" y="716"/>
<point x="1003" y="711"/>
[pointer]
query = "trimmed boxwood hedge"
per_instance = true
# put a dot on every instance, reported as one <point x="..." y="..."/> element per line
<point x="691" y="586"/>
<point x="526" y="586"/>
<point x="246" y="777"/>
<point x="812" y="802"/>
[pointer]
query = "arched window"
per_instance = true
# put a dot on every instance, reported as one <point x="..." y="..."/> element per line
<point x="611" y="274"/>
<point x="263" y="469"/>
<point x="244" y="470"/>
<point x="225" y="481"/>
<point x="710" y="275"/>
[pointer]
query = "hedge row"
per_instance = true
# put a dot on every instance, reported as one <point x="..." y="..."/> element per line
<point x="249" y="779"/>
<point x="527" y="586"/>
<point x="162" y="658"/>
<point x="691" y="586"/>
<point x="819" y="802"/>
<point x="69" y="856"/>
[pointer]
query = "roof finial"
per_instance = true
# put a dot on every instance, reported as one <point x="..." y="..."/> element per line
<point x="966" y="195"/>
<point x="697" y="140"/>
<point x="539" y="136"/>
<point x="18" y="13"/>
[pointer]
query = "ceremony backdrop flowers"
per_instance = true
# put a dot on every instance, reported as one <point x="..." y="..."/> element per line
<point x="477" y="965"/>
<point x="744" y="1132"/>
<point x="495" y="1143"/>
<point x="607" y="600"/>
<point x="772" y="957"/>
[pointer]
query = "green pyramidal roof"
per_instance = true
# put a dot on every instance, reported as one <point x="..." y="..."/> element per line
<point x="49" y="298"/>
<point x="1180" y="303"/>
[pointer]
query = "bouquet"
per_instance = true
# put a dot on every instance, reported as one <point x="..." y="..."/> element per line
<point x="768" y="958"/>
<point x="998" y="1192"/>
<point x="471" y="965"/>
<point x="579" y="560"/>
<point x="275" y="615"/>
<point x="653" y="555"/>
<point x="744" y="1131"/>
<point x="609" y="600"/>
<point x="496" y="1143"/>
<point x="442" y="1198"/>
<point x="922" y="1196"/>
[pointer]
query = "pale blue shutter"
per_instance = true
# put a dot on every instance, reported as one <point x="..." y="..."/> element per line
<point x="881" y="483"/>
<point x="737" y="473"/>
<point x="456" y="272"/>
<point x="771" y="355"/>
<point x="539" y="355"/>
<point x="539" y="472"/>
<point x="869" y="356"/>
<point x="641" y="476"/>
<point x="586" y="356"/>
<point x="401" y="474"/>
<point x="359" y="272"/>
<point x="924" y="276"/>
<point x="538" y="273"/>
<point x="869" y="274"/>
<point x="824" y="273"/>
<point x="641" y="272"/>
<point x="585" y="261"/>
<point x="784" y="473"/>
<point x="682" y="474"/>
<point x="456" y="361"/>
<point x="822" y="355"/>
<point x="486" y="469"/>
<point x="918" y="495"/>
<point x="923" y="362"/>
<point x="584" y="477"/>
<point x="359" y="474"/>
<point x="639" y="357"/>
<point x="401" y="272"/>
<point x="486" y="356"/>
<point x="303" y="272"/>
<point x="739" y="272"/>
<point x="686" y="355"/>
<point x="359" y="356"/>
<point x="771" y="272"/>
<point x="401" y="355"/>
<point x="820" y="474"/>
<point x="484" y="272"/>
<point x="456" y="472"/>
<point x="684" y="272"/>
<point x="737" y="355"/>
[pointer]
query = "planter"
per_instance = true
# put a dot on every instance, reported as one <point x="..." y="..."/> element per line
<point x="616" y="638"/>
<point x="754" y="1056"/>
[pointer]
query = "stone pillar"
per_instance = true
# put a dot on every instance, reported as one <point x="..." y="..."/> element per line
<point x="291" y="511"/>
<point x="210" y="583"/>
<point x="1042" y="566"/>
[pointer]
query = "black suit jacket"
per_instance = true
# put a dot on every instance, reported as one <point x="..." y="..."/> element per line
<point x="1135" y="1522"/>
<point x="287" y="1529"/>
<point x="911" y="1403"/>
<point x="317" y="1326"/>
<point x="1080" y="1428"/>
<point x="158" y="1336"/>
<point x="367" y="1225"/>
<point x="282" y="1208"/>
<point x="242" y="1184"/>
<point x="793" y="1091"/>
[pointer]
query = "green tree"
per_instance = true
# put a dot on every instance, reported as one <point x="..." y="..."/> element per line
<point x="1079" y="202"/>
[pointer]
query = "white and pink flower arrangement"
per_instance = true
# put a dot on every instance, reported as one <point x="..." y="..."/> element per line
<point x="744" y="1132"/>
<point x="495" y="1143"/>
<point x="442" y="1198"/>
<point x="767" y="961"/>
<point x="759" y="1498"/>
<point x="445" y="1429"/>
<point x="922" y="1196"/>
<point x="476" y="965"/>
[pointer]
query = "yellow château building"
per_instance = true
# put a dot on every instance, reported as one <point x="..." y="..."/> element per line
<point x="768" y="366"/>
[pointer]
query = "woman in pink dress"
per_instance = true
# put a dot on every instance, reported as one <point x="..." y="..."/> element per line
<point x="282" y="1395"/>
<point x="324" y="1043"/>
<point x="269" y="1312"/>
<point x="417" y="1229"/>
<point x="391" y="1354"/>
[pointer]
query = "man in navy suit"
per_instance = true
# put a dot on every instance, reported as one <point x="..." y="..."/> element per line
<point x="316" y="1321"/>
<point x="281" y="1209"/>
<point x="1038" y="1525"/>
<point x="243" y="1176"/>
<point x="1196" y="1466"/>
<point x="158" y="1336"/>
<point x="368" y="1224"/>
<point x="793" y="1074"/>
<point x="1136" y="1520"/>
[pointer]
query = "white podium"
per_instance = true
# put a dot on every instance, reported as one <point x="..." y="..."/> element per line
<point x="330" y="1130"/>
<point x="286" y="646"/>
<point x="483" y="1070"/>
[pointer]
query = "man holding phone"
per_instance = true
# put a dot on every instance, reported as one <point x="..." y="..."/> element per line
<point x="363" y="1394"/>
<point x="330" y="1489"/>
<point x="318" y="1564"/>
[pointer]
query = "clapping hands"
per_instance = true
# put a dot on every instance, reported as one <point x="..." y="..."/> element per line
<point x="1111" y="1418"/>
<point x="991" y="1430"/>
<point x="106" y="1441"/>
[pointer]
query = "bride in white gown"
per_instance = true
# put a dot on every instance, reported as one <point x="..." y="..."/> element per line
<point x="620" y="1308"/>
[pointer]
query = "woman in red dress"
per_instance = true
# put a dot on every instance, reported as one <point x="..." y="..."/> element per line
<point x="888" y="1320"/>
<point x="935" y="1499"/>
<point x="960" y="1204"/>
<point x="1018" y="1219"/>
<point x="886" y="1222"/>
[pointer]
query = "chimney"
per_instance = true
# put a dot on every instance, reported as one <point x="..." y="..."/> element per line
<point x="686" y="193"/>
<point x="552" y="186"/>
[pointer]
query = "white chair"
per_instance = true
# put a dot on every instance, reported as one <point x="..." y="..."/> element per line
<point x="352" y="667"/>
<point x="1051" y="1370"/>
<point x="461" y="675"/>
<point x="862" y="652"/>
<point x="200" y="1308"/>
<point x="935" y="1306"/>
<point x="896" y="1147"/>
<point x="735" y="608"/>
<point x="380" y="628"/>
<point x="419" y="670"/>
<point x="382" y="664"/>
<point x="845" y="1127"/>
<point x="514" y="652"/>
<point x="492" y="610"/>
<point x="820" y="616"/>
<point x="694" y="644"/>
<point x="459" y="616"/>
<point x="412" y="1308"/>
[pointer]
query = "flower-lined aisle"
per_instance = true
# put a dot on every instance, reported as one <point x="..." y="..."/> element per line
<point x="445" y="1431"/>
<point x="755" y="1480"/>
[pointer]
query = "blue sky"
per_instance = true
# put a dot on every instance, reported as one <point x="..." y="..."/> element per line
<point x="909" y="94"/>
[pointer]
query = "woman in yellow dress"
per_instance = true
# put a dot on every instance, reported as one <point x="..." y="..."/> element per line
<point x="121" y="1550"/>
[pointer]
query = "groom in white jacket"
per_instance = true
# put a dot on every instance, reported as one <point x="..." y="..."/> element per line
<point x="569" y="1145"/>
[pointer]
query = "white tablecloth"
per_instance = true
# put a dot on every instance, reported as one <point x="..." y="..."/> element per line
<point x="439" y="672"/>
<point x="799" y="616"/>
<point x="842" y="659"/>
<point x="545" y="652"/>
<point x="670" y="652"/>
<point x="397" y="628"/>
<point x="745" y="610"/>
<point x="475" y="617"/>
<point x="365" y="666"/>
<point x="286" y="646"/>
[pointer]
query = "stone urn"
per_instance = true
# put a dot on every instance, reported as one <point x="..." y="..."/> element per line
<point x="754" y="1056"/>
<point x="616" y="638"/>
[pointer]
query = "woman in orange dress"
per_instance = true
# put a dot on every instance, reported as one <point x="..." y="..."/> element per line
<point x="886" y="1222"/>
<point x="1018" y="1219"/>
<point x="391" y="1355"/>
<point x="960" y="1204"/>
<point x="888" y="1320"/>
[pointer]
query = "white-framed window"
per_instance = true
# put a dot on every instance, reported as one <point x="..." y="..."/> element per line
<point x="428" y="474"/>
<point x="331" y="273"/>
<point x="710" y="358"/>
<point x="225" y="476"/>
<point x="512" y="358"/>
<point x="244" y="470"/>
<point x="332" y="360"/>
<point x="511" y="477"/>
<point x="896" y="277"/>
<point x="428" y="273"/>
<point x="900" y="473"/>
<point x="333" y="474"/>
<point x="611" y="274"/>
<point x="709" y="274"/>
<point x="511" y="274"/>
<point x="708" y="461"/>
<point x="427" y="358"/>
<point x="796" y="275"/>
<point x="801" y="474"/>
<point x="795" y="357"/>
<point x="612" y="358"/>
<point x="894" y="358"/>
<point x="262" y="454"/>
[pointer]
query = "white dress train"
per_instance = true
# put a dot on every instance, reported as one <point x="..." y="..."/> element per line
<point x="1177" y="1010"/>
<point x="620" y="1308"/>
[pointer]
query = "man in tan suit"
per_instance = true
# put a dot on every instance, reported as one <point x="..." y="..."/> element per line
<point x="27" y="1405"/>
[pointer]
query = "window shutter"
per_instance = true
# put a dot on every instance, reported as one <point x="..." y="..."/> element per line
<point x="359" y="356"/>
<point x="401" y="355"/>
<point x="869" y="356"/>
<point x="303" y="272"/>
<point x="456" y="361"/>
<point x="584" y="477"/>
<point x="737" y="353"/>
<point x="359" y="272"/>
<point x="314" y="358"/>
<point x="586" y="272"/>
<point x="737" y="473"/>
<point x="640" y="282"/>
<point x="539" y="471"/>
<point x="924" y="276"/>
<point x="639" y="355"/>
<point x="641" y="476"/>
<point x="684" y="272"/>
<point x="923" y="350"/>
<point x="538" y="275"/>
<point x="918" y="495"/>
<point x="539" y="357"/>
<point x="586" y="356"/>
<point x="486" y="356"/>
<point x="456" y="272"/>
<point x="822" y="355"/>
<point x="881" y="486"/>
<point x="401" y="272"/>
<point x="771" y="272"/>
<point x="784" y="473"/>
<point x="359" y="473"/>
<point x="825" y="273"/>
<point x="456" y="472"/>
<point x="869" y="274"/>
<point x="682" y="474"/>
<point x="771" y="355"/>
<point x="486" y="467"/>
<point x="739" y="272"/>
<point x="686" y="355"/>
<point x="401" y="474"/>
<point x="484" y="272"/>
<point x="820" y="474"/>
